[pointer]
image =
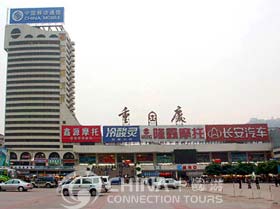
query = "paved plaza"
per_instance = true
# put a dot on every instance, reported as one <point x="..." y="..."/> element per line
<point x="228" y="196"/>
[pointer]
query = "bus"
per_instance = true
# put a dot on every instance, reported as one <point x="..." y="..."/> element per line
<point x="6" y="174"/>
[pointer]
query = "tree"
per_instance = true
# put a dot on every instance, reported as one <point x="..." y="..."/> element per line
<point x="213" y="169"/>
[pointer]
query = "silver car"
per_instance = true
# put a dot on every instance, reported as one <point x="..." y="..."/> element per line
<point x="15" y="185"/>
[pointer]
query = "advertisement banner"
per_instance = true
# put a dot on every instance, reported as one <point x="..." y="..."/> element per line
<point x="172" y="133"/>
<point x="3" y="157"/>
<point x="115" y="134"/>
<point x="237" y="133"/>
<point x="77" y="134"/>
<point x="37" y="15"/>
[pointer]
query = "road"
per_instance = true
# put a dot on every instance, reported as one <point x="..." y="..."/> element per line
<point x="143" y="197"/>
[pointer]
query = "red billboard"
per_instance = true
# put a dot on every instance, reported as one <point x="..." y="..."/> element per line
<point x="77" y="134"/>
<point x="237" y="133"/>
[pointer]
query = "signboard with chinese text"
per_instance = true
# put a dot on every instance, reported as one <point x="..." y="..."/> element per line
<point x="115" y="134"/>
<point x="172" y="133"/>
<point x="77" y="134"/>
<point x="237" y="133"/>
<point x="37" y="15"/>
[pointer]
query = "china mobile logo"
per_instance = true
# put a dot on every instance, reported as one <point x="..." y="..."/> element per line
<point x="74" y="195"/>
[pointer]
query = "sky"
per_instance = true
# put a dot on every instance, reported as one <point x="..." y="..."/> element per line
<point x="218" y="60"/>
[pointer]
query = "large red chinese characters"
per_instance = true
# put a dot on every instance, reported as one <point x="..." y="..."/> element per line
<point x="77" y="134"/>
<point x="237" y="133"/>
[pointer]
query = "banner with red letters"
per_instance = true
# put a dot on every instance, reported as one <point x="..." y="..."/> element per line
<point x="237" y="133"/>
<point x="77" y="134"/>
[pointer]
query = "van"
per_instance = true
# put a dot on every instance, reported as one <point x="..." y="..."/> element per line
<point x="92" y="185"/>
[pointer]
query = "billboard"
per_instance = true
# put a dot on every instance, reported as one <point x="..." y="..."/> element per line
<point x="3" y="157"/>
<point x="37" y="15"/>
<point x="172" y="133"/>
<point x="237" y="133"/>
<point x="114" y="134"/>
<point x="77" y="134"/>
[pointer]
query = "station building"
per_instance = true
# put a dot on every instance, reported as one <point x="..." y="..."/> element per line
<point x="43" y="135"/>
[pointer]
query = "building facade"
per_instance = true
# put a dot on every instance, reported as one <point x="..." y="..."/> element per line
<point x="40" y="93"/>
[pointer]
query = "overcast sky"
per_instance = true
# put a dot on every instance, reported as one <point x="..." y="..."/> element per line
<point x="218" y="60"/>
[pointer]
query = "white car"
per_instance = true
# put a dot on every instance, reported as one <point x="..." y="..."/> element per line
<point x="107" y="183"/>
<point x="92" y="185"/>
<point x="167" y="183"/>
<point x="15" y="185"/>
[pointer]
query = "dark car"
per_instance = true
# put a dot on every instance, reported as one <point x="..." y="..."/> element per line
<point x="116" y="181"/>
<point x="45" y="181"/>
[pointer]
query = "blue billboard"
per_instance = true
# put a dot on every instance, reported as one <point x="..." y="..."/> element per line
<point x="115" y="134"/>
<point x="37" y="15"/>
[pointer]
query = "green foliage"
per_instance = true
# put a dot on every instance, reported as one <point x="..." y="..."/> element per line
<point x="242" y="168"/>
<point x="213" y="169"/>
<point x="268" y="167"/>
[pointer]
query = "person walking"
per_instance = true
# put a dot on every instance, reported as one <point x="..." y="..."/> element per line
<point x="240" y="183"/>
<point x="249" y="183"/>
<point x="258" y="183"/>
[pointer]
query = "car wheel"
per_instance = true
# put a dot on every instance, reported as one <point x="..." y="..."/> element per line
<point x="48" y="185"/>
<point x="20" y="189"/>
<point x="93" y="192"/>
<point x="0" y="189"/>
<point x="65" y="192"/>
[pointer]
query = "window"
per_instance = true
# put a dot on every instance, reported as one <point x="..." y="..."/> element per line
<point x="53" y="36"/>
<point x="15" y="33"/>
<point x="95" y="181"/>
<point x="78" y="181"/>
<point x="41" y="36"/>
<point x="28" y="36"/>
<point x="86" y="181"/>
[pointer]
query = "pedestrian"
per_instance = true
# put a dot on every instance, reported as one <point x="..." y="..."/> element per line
<point x="249" y="183"/>
<point x="240" y="183"/>
<point x="258" y="183"/>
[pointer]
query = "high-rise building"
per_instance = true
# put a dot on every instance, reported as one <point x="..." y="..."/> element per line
<point x="40" y="92"/>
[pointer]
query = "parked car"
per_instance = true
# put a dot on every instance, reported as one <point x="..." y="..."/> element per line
<point x="45" y="181"/>
<point x="116" y="181"/>
<point x="15" y="185"/>
<point x="167" y="183"/>
<point x="107" y="183"/>
<point x="92" y="185"/>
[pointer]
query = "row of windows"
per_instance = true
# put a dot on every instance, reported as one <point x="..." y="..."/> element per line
<point x="32" y="128"/>
<point x="41" y="36"/>
<point x="34" y="48"/>
<point x="33" y="64"/>
<point x="33" y="92"/>
<point x="67" y="146"/>
<point x="33" y="81"/>
<point x="32" y="104"/>
<point x="33" y="53"/>
<point x="34" y="76"/>
<point x="32" y="134"/>
<point x="32" y="98"/>
<point x="40" y="70"/>
<point x="33" y="42"/>
<point x="32" y="122"/>
<point x="32" y="140"/>
<point x="33" y="110"/>
<point x="277" y="152"/>
<point x="34" y="59"/>
<point x="31" y="146"/>
<point x="32" y="87"/>
<point x="32" y="116"/>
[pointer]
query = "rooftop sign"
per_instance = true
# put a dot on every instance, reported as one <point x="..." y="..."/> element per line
<point x="37" y="15"/>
